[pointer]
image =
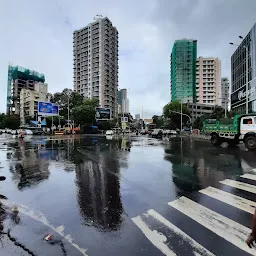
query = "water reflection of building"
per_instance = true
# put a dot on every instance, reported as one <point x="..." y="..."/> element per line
<point x="97" y="178"/>
<point x="196" y="167"/>
<point x="28" y="168"/>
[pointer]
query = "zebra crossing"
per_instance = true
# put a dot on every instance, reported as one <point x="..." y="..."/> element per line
<point x="197" y="227"/>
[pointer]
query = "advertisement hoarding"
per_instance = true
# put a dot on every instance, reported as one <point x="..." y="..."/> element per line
<point x="47" y="109"/>
<point x="103" y="113"/>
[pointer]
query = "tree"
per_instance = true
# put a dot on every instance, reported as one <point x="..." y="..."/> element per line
<point x="158" y="121"/>
<point x="2" y="121"/>
<point x="85" y="113"/>
<point x="169" y="112"/>
<point x="62" y="98"/>
<point x="12" y="122"/>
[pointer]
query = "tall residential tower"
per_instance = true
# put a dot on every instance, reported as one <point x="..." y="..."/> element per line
<point x="95" y="50"/>
<point x="225" y="95"/>
<point x="208" y="81"/>
<point x="123" y="102"/>
<point x="183" y="70"/>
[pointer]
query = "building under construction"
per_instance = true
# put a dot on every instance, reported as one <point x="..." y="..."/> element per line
<point x="19" y="78"/>
<point x="183" y="70"/>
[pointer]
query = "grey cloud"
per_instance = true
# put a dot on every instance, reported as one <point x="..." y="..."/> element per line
<point x="42" y="40"/>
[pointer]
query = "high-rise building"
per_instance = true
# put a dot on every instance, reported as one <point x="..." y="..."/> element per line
<point x="238" y="74"/>
<point x="208" y="81"/>
<point x="137" y="116"/>
<point x="183" y="70"/>
<point x="19" y="78"/>
<point x="95" y="50"/>
<point x="29" y="101"/>
<point x="225" y="95"/>
<point x="123" y="101"/>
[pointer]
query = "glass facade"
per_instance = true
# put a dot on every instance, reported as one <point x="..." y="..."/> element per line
<point x="183" y="70"/>
<point x="238" y="74"/>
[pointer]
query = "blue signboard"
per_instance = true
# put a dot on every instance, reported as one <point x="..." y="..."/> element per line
<point x="47" y="109"/>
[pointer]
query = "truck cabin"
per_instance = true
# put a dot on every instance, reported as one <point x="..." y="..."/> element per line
<point x="248" y="124"/>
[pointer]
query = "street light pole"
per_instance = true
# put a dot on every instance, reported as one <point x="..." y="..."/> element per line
<point x="247" y="79"/>
<point x="225" y="108"/>
<point x="181" y="116"/>
<point x="68" y="110"/>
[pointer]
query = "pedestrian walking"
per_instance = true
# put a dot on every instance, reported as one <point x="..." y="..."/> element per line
<point x="252" y="236"/>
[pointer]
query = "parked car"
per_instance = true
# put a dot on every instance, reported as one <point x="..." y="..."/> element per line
<point x="28" y="132"/>
<point x="14" y="132"/>
<point x="143" y="132"/>
<point x="150" y="131"/>
<point x="173" y="132"/>
<point x="157" y="133"/>
<point x="109" y="132"/>
<point x="166" y="132"/>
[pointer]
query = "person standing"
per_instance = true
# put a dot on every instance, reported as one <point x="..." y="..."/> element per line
<point x="252" y="236"/>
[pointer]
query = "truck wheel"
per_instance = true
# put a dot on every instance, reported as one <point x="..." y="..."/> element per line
<point x="215" y="140"/>
<point x="250" y="142"/>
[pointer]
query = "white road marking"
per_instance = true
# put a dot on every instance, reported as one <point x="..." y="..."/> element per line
<point x="233" y="200"/>
<point x="41" y="218"/>
<point x="249" y="176"/>
<point x="198" y="249"/>
<point x="156" y="238"/>
<point x="239" y="185"/>
<point x="229" y="230"/>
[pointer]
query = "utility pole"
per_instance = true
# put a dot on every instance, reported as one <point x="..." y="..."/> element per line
<point x="181" y="115"/>
<point x="225" y="108"/>
<point x="247" y="79"/>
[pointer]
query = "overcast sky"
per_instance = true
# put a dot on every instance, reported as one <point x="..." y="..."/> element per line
<point x="38" y="35"/>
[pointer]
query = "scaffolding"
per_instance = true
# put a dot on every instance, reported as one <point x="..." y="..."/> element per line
<point x="183" y="70"/>
<point x="15" y="73"/>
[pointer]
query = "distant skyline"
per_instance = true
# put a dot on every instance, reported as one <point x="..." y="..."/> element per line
<point x="43" y="40"/>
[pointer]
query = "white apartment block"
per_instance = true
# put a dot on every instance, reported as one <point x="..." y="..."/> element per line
<point x="95" y="50"/>
<point x="29" y="101"/>
<point x="225" y="85"/>
<point x="208" y="81"/>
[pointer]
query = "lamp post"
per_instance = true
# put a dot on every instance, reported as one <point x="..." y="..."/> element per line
<point x="182" y="114"/>
<point x="247" y="75"/>
<point x="69" y="92"/>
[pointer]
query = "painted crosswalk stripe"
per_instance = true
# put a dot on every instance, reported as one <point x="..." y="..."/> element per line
<point x="198" y="249"/>
<point x="233" y="200"/>
<point x="249" y="176"/>
<point x="156" y="238"/>
<point x="239" y="185"/>
<point x="229" y="230"/>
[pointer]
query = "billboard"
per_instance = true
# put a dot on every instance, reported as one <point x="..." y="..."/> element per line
<point x="47" y="109"/>
<point x="103" y="113"/>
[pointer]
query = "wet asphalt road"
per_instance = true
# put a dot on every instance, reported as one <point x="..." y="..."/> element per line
<point x="88" y="191"/>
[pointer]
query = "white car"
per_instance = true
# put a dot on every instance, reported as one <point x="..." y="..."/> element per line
<point x="14" y="132"/>
<point x="109" y="132"/>
<point x="28" y="132"/>
<point x="173" y="132"/>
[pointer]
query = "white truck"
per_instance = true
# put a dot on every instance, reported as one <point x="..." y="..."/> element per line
<point x="232" y="130"/>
